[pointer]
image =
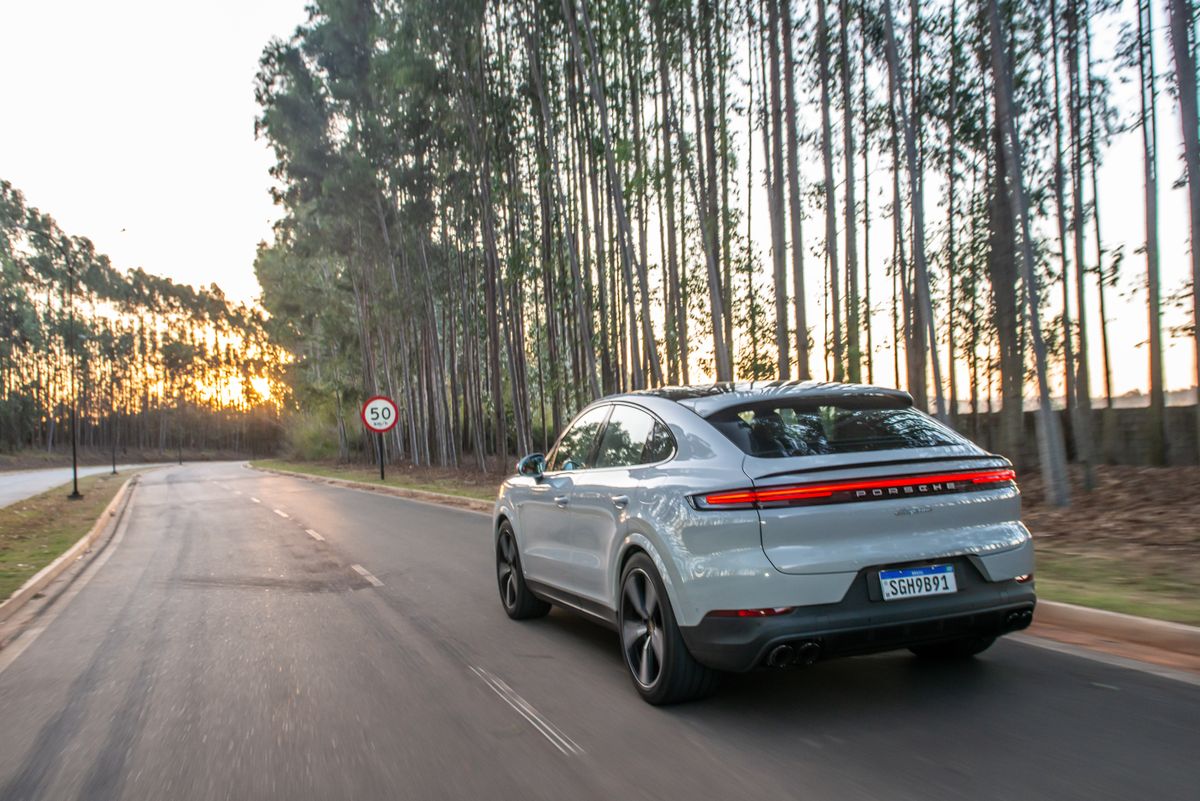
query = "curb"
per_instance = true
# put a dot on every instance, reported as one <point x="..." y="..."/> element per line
<point x="441" y="498"/>
<point x="53" y="570"/>
<point x="1174" y="637"/>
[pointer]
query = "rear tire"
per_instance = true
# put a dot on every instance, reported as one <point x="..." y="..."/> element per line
<point x="662" y="669"/>
<point x="953" y="650"/>
<point x="518" y="600"/>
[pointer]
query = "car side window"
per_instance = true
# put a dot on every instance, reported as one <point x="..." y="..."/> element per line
<point x="624" y="437"/>
<point x="576" y="446"/>
<point x="660" y="446"/>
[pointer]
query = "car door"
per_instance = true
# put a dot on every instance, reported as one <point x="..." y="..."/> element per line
<point x="603" y="496"/>
<point x="545" y="510"/>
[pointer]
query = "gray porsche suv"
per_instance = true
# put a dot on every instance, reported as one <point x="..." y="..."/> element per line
<point x="744" y="525"/>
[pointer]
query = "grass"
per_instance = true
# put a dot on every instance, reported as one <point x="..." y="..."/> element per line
<point x="447" y="482"/>
<point x="33" y="532"/>
<point x="1130" y="584"/>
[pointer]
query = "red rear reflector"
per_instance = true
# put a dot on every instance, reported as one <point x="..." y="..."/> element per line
<point x="816" y="491"/>
<point x="771" y="612"/>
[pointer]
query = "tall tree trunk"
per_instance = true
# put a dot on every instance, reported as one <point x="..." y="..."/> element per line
<point x="1155" y="432"/>
<point x="559" y="212"/>
<point x="626" y="234"/>
<point x="667" y="168"/>
<point x="869" y="353"/>
<point x="795" y="200"/>
<point x="951" y="210"/>
<point x="775" y="194"/>
<point x="1050" y="444"/>
<point x="1101" y="274"/>
<point x="853" y="349"/>
<point x="1072" y="406"/>
<point x="831" y="248"/>
<point x="899" y="265"/>
<point x="1083" y="437"/>
<point x="924" y="303"/>
<point x="704" y="202"/>
<point x="1182" y="28"/>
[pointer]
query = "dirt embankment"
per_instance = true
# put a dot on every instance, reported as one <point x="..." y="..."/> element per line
<point x="1152" y="510"/>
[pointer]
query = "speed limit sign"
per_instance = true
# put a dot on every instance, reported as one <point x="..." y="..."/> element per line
<point x="379" y="414"/>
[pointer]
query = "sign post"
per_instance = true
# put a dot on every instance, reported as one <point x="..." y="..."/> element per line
<point x="379" y="414"/>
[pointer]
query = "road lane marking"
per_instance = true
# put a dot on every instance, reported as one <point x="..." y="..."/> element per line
<point x="256" y="500"/>
<point x="237" y="492"/>
<point x="362" y="571"/>
<point x="281" y="513"/>
<point x="544" y="727"/>
<point x="314" y="535"/>
<point x="316" y="480"/>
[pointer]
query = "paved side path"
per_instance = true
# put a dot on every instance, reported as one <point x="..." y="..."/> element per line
<point x="21" y="484"/>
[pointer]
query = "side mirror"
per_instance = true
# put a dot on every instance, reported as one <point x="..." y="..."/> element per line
<point x="532" y="465"/>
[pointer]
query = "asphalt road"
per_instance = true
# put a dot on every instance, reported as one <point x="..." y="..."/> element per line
<point x="16" y="485"/>
<point x="225" y="652"/>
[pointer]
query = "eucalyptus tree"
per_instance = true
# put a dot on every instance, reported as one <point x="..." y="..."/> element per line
<point x="70" y="349"/>
<point x="925" y="325"/>
<point x="1050" y="444"/>
<point x="824" y="58"/>
<point x="1182" y="15"/>
<point x="1083" y="393"/>
<point x="1138" y="49"/>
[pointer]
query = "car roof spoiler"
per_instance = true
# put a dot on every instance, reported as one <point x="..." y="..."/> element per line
<point x="709" y="399"/>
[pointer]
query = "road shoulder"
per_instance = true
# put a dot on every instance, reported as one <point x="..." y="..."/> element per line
<point x="440" y="498"/>
<point x="15" y="612"/>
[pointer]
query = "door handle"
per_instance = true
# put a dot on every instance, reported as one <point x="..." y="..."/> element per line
<point x="620" y="501"/>
<point x="561" y="501"/>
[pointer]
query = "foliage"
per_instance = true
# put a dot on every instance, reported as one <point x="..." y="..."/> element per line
<point x="145" y="360"/>
<point x="495" y="212"/>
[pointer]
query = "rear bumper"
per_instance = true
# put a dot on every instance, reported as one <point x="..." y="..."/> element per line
<point x="862" y="623"/>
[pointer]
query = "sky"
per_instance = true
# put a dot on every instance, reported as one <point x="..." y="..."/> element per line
<point x="132" y="123"/>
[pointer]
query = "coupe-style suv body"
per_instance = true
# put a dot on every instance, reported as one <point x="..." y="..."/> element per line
<point x="733" y="526"/>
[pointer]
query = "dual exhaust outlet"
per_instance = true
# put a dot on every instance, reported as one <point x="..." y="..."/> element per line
<point x="805" y="652"/>
<point x="1018" y="620"/>
<point x="800" y="654"/>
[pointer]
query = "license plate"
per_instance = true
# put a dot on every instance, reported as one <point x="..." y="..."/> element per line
<point x="913" y="582"/>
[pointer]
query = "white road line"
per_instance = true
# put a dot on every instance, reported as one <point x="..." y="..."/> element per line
<point x="237" y="492"/>
<point x="1107" y="659"/>
<point x="544" y="727"/>
<point x="362" y="571"/>
<point x="256" y="500"/>
<point x="314" y="535"/>
<point x="281" y="513"/>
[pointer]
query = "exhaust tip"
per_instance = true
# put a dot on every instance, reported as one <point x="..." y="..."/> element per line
<point x="1019" y="619"/>
<point x="808" y="652"/>
<point x="782" y="656"/>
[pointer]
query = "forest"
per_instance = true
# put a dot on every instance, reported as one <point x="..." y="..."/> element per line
<point x="497" y="211"/>
<point x="139" y="362"/>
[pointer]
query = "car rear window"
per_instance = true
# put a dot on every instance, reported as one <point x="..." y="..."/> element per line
<point x="778" y="430"/>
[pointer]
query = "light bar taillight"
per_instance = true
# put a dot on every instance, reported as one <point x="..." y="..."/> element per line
<point x="857" y="489"/>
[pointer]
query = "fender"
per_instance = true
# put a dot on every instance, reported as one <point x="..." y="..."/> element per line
<point x="504" y="509"/>
<point x="667" y="571"/>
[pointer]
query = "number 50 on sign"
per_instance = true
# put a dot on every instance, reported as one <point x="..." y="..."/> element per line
<point x="379" y="414"/>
